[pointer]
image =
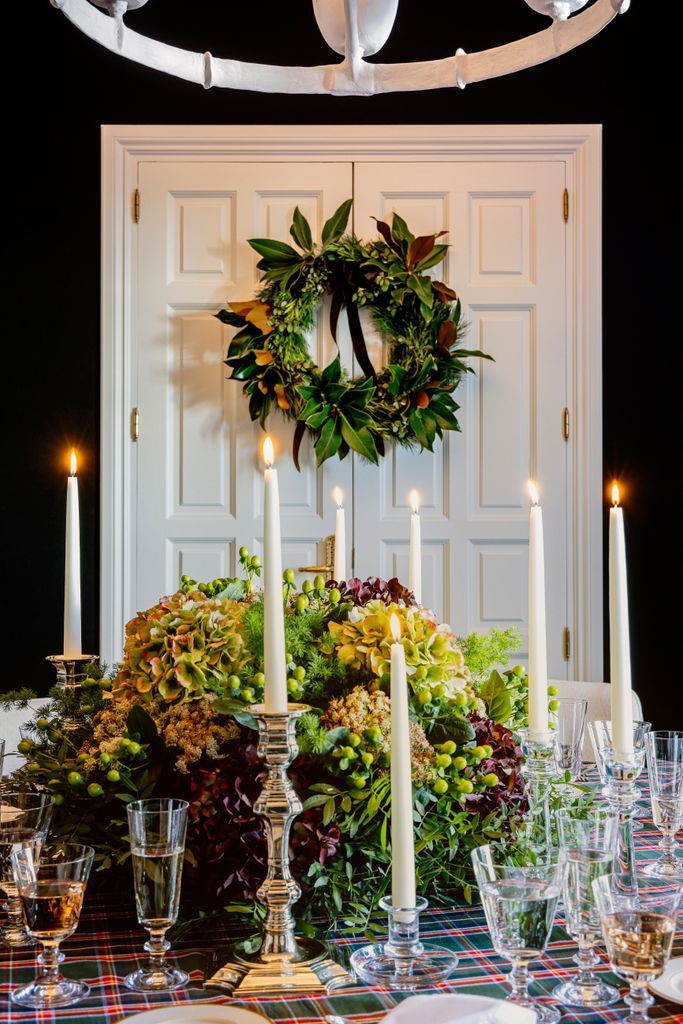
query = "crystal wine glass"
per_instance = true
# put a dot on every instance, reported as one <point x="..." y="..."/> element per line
<point x="24" y="821"/>
<point x="600" y="732"/>
<point x="51" y="883"/>
<point x="664" y="752"/>
<point x="588" y="837"/>
<point x="157" y="841"/>
<point x="639" y="927"/>
<point x="570" y="722"/>
<point x="520" y="904"/>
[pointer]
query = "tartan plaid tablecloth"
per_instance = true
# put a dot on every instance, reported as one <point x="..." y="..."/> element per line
<point x="109" y="943"/>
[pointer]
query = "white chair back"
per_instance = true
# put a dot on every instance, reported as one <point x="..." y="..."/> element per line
<point x="10" y="722"/>
<point x="598" y="696"/>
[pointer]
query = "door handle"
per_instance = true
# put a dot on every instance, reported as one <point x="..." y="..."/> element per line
<point x="328" y="568"/>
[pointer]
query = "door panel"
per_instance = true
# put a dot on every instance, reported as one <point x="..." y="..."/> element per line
<point x="507" y="263"/>
<point x="199" y="467"/>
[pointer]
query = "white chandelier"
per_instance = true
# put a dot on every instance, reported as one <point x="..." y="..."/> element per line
<point x="355" y="29"/>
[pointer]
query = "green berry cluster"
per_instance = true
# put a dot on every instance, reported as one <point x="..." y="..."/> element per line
<point x="459" y="774"/>
<point x="95" y="775"/>
<point x="360" y="754"/>
<point x="312" y="592"/>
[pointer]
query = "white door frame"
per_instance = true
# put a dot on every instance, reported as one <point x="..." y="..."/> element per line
<point x="578" y="146"/>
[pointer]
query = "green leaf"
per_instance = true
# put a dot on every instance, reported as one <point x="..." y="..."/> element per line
<point x="422" y="286"/>
<point x="317" y="800"/>
<point x="301" y="231"/>
<point x="328" y="811"/>
<point x="329" y="441"/>
<point x="332" y="372"/>
<point x="436" y="256"/>
<point x="226" y="316"/>
<point x="140" y="722"/>
<point x="335" y="227"/>
<point x="360" y="441"/>
<point x="400" y="229"/>
<point x="274" y="251"/>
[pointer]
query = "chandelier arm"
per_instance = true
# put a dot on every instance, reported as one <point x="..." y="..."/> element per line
<point x="466" y="68"/>
<point x="350" y="77"/>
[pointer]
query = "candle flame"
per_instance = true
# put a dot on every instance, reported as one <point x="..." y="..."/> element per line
<point x="395" y="626"/>
<point x="415" y="501"/>
<point x="73" y="463"/>
<point x="268" y="453"/>
<point x="533" y="492"/>
<point x="338" y="496"/>
<point x="615" y="494"/>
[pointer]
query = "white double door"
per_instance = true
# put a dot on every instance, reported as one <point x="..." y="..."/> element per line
<point x="197" y="464"/>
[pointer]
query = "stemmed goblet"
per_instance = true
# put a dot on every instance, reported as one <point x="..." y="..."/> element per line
<point x="639" y="925"/>
<point x="157" y="842"/>
<point x="51" y="882"/>
<point x="24" y="821"/>
<point x="664" y="753"/>
<point x="588" y="837"/>
<point x="569" y="719"/>
<point x="520" y="903"/>
<point x="600" y="732"/>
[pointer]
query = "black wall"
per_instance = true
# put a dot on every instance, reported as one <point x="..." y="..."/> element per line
<point x="61" y="87"/>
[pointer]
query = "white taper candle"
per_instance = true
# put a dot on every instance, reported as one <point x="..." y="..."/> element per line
<point x="339" y="568"/>
<point x="538" y="658"/>
<point x="415" y="551"/>
<point x="619" y="644"/>
<point x="402" y="827"/>
<point x="72" y="568"/>
<point x="274" y="661"/>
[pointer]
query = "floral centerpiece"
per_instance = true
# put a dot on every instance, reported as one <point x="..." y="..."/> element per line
<point x="174" y="719"/>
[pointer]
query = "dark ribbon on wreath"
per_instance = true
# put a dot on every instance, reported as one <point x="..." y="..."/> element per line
<point x="342" y="297"/>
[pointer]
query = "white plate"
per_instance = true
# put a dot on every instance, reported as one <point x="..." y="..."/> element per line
<point x="670" y="984"/>
<point x="198" y="1013"/>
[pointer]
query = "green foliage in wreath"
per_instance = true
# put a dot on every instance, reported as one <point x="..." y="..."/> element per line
<point x="410" y="400"/>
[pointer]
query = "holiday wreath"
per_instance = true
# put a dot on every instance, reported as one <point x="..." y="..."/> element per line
<point x="174" y="720"/>
<point x="410" y="400"/>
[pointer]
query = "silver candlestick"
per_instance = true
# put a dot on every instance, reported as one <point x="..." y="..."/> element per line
<point x="70" y="669"/>
<point x="540" y="751"/>
<point x="285" y="962"/>
<point x="622" y="771"/>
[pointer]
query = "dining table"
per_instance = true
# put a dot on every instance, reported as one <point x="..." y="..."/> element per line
<point x="109" y="943"/>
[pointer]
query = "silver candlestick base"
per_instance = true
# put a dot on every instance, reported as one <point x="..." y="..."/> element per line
<point x="284" y="963"/>
<point x="622" y="771"/>
<point x="403" y="962"/>
<point x="540" y="752"/>
<point x="71" y="670"/>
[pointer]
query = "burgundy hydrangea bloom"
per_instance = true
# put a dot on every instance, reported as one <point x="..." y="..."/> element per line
<point x="359" y="592"/>
<point x="227" y="838"/>
<point x="505" y="762"/>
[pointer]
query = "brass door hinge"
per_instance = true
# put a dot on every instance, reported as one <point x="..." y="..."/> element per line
<point x="327" y="569"/>
<point x="134" y="424"/>
<point x="565" y="423"/>
<point x="566" y="643"/>
<point x="565" y="205"/>
<point x="136" y="205"/>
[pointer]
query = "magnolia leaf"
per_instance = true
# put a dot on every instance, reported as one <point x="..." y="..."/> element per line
<point x="420" y="248"/>
<point x="227" y="316"/>
<point x="301" y="231"/>
<point x="448" y="332"/>
<point x="400" y="230"/>
<point x="360" y="441"/>
<point x="422" y="287"/>
<point x="335" y="227"/>
<point x="385" y="232"/>
<point x="437" y="254"/>
<point x="332" y="372"/>
<point x="329" y="441"/>
<point x="256" y="313"/>
<point x="443" y="292"/>
<point x="271" y="249"/>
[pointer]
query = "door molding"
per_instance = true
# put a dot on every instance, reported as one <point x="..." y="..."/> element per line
<point x="124" y="147"/>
